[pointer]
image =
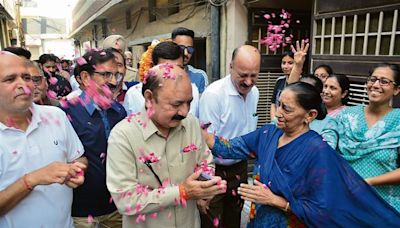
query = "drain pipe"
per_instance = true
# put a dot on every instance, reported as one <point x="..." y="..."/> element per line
<point x="215" y="42"/>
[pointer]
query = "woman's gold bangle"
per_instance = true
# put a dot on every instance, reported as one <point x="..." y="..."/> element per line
<point x="287" y="207"/>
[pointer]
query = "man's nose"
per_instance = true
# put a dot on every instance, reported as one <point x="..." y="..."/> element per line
<point x="113" y="80"/>
<point x="184" y="109"/>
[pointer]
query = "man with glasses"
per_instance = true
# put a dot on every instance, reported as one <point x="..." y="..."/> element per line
<point x="230" y="105"/>
<point x="185" y="38"/>
<point x="40" y="85"/>
<point x="119" y="91"/>
<point x="118" y="42"/>
<point x="93" y="114"/>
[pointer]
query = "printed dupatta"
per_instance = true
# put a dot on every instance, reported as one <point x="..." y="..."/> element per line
<point x="322" y="188"/>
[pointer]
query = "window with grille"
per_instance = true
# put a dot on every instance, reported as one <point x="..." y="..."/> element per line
<point x="364" y="33"/>
<point x="265" y="85"/>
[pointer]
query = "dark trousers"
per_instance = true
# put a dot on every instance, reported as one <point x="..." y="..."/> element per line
<point x="227" y="207"/>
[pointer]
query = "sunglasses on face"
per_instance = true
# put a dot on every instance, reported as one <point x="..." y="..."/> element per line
<point x="189" y="49"/>
<point x="382" y="81"/>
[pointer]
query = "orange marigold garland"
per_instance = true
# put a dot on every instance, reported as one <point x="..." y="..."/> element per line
<point x="146" y="61"/>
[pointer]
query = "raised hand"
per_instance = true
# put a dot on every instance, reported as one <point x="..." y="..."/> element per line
<point x="300" y="52"/>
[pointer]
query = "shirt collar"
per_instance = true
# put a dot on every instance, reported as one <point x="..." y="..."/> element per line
<point x="150" y="128"/>
<point x="91" y="106"/>
<point x="231" y="87"/>
<point x="35" y="120"/>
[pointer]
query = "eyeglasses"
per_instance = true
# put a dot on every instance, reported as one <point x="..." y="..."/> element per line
<point x="382" y="81"/>
<point x="37" y="79"/>
<point x="190" y="49"/>
<point x="322" y="75"/>
<point x="108" y="75"/>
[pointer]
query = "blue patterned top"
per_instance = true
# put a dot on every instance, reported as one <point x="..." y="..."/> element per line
<point x="371" y="151"/>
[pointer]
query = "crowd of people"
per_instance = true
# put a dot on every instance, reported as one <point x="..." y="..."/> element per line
<point x="95" y="142"/>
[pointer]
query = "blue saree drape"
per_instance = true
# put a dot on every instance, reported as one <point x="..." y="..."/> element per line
<point x="322" y="188"/>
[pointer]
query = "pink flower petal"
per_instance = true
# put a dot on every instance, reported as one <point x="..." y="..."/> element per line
<point x="51" y="94"/>
<point x="81" y="61"/>
<point x="216" y="222"/>
<point x="90" y="219"/>
<point x="53" y="80"/>
<point x="27" y="91"/>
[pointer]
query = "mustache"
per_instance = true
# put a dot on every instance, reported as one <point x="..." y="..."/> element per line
<point x="112" y="87"/>
<point x="178" y="117"/>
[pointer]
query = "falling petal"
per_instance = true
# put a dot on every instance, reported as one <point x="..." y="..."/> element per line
<point x="90" y="219"/>
<point x="51" y="94"/>
<point x="216" y="222"/>
<point x="27" y="91"/>
<point x="53" y="80"/>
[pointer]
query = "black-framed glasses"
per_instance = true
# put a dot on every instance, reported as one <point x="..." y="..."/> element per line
<point x="382" y="81"/>
<point x="190" y="49"/>
<point x="108" y="75"/>
<point x="37" y="79"/>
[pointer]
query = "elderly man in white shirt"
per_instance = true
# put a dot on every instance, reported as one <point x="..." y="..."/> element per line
<point x="164" y="52"/>
<point x="40" y="154"/>
<point x="134" y="100"/>
<point x="230" y="105"/>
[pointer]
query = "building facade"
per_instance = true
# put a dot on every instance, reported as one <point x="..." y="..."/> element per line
<point x="351" y="36"/>
<point x="8" y="23"/>
<point x="45" y="25"/>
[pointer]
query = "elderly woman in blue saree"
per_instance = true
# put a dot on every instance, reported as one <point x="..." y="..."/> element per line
<point x="303" y="181"/>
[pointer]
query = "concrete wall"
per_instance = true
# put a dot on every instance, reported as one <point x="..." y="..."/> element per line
<point x="56" y="43"/>
<point x="234" y="27"/>
<point x="196" y="18"/>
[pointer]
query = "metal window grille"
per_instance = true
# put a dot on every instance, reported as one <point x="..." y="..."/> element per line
<point x="265" y="84"/>
<point x="372" y="33"/>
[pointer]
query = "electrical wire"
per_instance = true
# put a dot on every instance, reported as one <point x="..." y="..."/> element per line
<point x="217" y="2"/>
<point x="180" y="4"/>
<point x="192" y="12"/>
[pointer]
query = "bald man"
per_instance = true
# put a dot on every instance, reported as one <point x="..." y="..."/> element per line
<point x="230" y="105"/>
<point x="156" y="156"/>
<point x="40" y="154"/>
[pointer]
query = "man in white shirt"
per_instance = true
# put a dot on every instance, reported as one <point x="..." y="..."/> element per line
<point x="40" y="154"/>
<point x="164" y="52"/>
<point x="230" y="105"/>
